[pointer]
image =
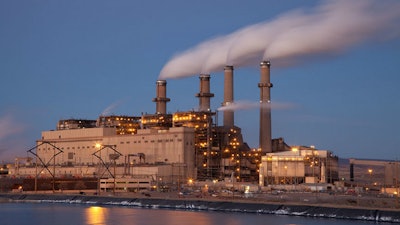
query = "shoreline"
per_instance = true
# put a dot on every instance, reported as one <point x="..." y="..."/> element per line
<point x="220" y="205"/>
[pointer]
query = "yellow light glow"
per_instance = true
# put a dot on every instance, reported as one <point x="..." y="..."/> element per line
<point x="95" y="215"/>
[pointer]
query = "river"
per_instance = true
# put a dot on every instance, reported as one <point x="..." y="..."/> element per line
<point x="87" y="214"/>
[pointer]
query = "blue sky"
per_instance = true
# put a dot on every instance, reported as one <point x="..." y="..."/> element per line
<point x="75" y="59"/>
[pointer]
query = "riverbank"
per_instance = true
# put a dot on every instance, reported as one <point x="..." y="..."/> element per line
<point x="241" y="206"/>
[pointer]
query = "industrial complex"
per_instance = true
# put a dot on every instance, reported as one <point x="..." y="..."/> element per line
<point x="163" y="151"/>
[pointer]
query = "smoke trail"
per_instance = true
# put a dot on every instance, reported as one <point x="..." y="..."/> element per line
<point x="327" y="29"/>
<point x="247" y="105"/>
<point x="108" y="111"/>
<point x="334" y="27"/>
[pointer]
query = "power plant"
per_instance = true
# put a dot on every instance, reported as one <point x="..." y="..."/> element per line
<point x="191" y="149"/>
<point x="167" y="149"/>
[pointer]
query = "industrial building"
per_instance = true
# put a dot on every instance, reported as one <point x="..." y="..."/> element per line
<point x="375" y="175"/>
<point x="173" y="148"/>
<point x="300" y="165"/>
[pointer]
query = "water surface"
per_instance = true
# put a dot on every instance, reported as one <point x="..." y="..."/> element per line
<point x="86" y="214"/>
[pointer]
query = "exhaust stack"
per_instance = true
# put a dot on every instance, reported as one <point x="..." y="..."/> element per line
<point x="228" y="96"/>
<point x="204" y="95"/>
<point x="161" y="97"/>
<point x="265" y="86"/>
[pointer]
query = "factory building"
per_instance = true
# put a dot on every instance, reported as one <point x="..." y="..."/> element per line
<point x="75" y="124"/>
<point x="171" y="148"/>
<point x="78" y="145"/>
<point x="300" y="165"/>
<point x="123" y="124"/>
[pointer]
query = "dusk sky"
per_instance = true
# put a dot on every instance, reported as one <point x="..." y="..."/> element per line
<point x="334" y="66"/>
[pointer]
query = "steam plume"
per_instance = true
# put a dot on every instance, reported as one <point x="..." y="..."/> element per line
<point x="247" y="105"/>
<point x="108" y="111"/>
<point x="328" y="29"/>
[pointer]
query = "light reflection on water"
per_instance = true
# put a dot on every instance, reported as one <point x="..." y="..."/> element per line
<point x="135" y="216"/>
<point x="60" y="214"/>
<point x="96" y="215"/>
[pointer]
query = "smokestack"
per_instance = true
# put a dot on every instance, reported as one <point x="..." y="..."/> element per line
<point x="161" y="97"/>
<point x="204" y="95"/>
<point x="265" y="107"/>
<point x="228" y="96"/>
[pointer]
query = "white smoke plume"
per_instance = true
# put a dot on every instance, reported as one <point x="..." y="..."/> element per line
<point x="109" y="110"/>
<point x="247" y="105"/>
<point x="328" y="29"/>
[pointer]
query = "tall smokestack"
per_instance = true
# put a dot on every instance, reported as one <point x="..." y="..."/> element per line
<point x="228" y="96"/>
<point x="265" y="107"/>
<point x="161" y="97"/>
<point x="204" y="95"/>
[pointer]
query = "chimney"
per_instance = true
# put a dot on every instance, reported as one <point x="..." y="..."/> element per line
<point x="161" y="97"/>
<point x="228" y="96"/>
<point x="265" y="107"/>
<point x="204" y="95"/>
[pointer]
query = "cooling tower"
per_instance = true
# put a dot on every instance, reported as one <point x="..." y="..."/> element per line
<point x="228" y="96"/>
<point x="265" y="107"/>
<point x="204" y="95"/>
<point x="161" y="97"/>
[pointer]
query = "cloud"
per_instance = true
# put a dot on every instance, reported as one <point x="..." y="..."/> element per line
<point x="9" y="126"/>
<point x="10" y="140"/>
